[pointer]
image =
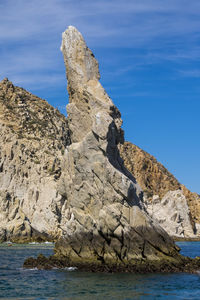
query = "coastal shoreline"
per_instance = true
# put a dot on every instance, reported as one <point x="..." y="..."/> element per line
<point x="186" y="239"/>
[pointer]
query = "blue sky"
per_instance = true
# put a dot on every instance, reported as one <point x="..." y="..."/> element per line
<point x="149" y="56"/>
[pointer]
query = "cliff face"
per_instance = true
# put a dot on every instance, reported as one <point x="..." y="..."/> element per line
<point x="33" y="137"/>
<point x="171" y="203"/>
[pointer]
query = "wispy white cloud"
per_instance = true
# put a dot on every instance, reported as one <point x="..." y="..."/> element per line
<point x="190" y="73"/>
<point x="141" y="20"/>
<point x="30" y="32"/>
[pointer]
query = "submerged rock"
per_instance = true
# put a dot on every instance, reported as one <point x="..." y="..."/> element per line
<point x="174" y="265"/>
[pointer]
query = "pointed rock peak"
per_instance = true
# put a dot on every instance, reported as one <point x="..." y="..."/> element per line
<point x="86" y="95"/>
<point x="6" y="81"/>
<point x="81" y="65"/>
<point x="5" y="85"/>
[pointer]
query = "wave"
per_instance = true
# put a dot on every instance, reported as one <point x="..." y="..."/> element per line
<point x="37" y="243"/>
<point x="71" y="268"/>
<point x="33" y="243"/>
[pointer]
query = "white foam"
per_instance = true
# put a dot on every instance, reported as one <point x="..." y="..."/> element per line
<point x="27" y="269"/>
<point x="33" y="243"/>
<point x="46" y="243"/>
<point x="71" y="268"/>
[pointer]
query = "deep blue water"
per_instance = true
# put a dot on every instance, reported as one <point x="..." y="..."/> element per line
<point x="16" y="283"/>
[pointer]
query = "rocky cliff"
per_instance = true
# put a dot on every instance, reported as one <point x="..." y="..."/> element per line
<point x="104" y="224"/>
<point x="171" y="203"/>
<point x="103" y="217"/>
<point x="33" y="138"/>
<point x="38" y="169"/>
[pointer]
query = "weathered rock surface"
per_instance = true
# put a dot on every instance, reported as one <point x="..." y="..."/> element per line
<point x="33" y="136"/>
<point x="174" y="265"/>
<point x="171" y="203"/>
<point x="172" y="213"/>
<point x="47" y="188"/>
<point x="103" y="216"/>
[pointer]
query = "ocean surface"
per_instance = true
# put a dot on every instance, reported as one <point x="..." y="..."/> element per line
<point x="17" y="283"/>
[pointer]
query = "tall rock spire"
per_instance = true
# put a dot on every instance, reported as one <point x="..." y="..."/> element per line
<point x="86" y="95"/>
<point x="103" y="219"/>
<point x="80" y="62"/>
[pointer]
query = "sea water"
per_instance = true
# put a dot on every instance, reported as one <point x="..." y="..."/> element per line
<point x="18" y="283"/>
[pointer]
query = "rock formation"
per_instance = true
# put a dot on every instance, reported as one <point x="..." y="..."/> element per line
<point x="103" y="218"/>
<point x="33" y="136"/>
<point x="171" y="203"/>
<point x="61" y="175"/>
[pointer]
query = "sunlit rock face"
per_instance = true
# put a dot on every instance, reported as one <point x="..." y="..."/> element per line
<point x="103" y="219"/>
<point x="175" y="208"/>
<point x="172" y="213"/>
<point x="33" y="136"/>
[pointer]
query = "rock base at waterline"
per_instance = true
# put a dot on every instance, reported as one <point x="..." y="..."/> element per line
<point x="173" y="265"/>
